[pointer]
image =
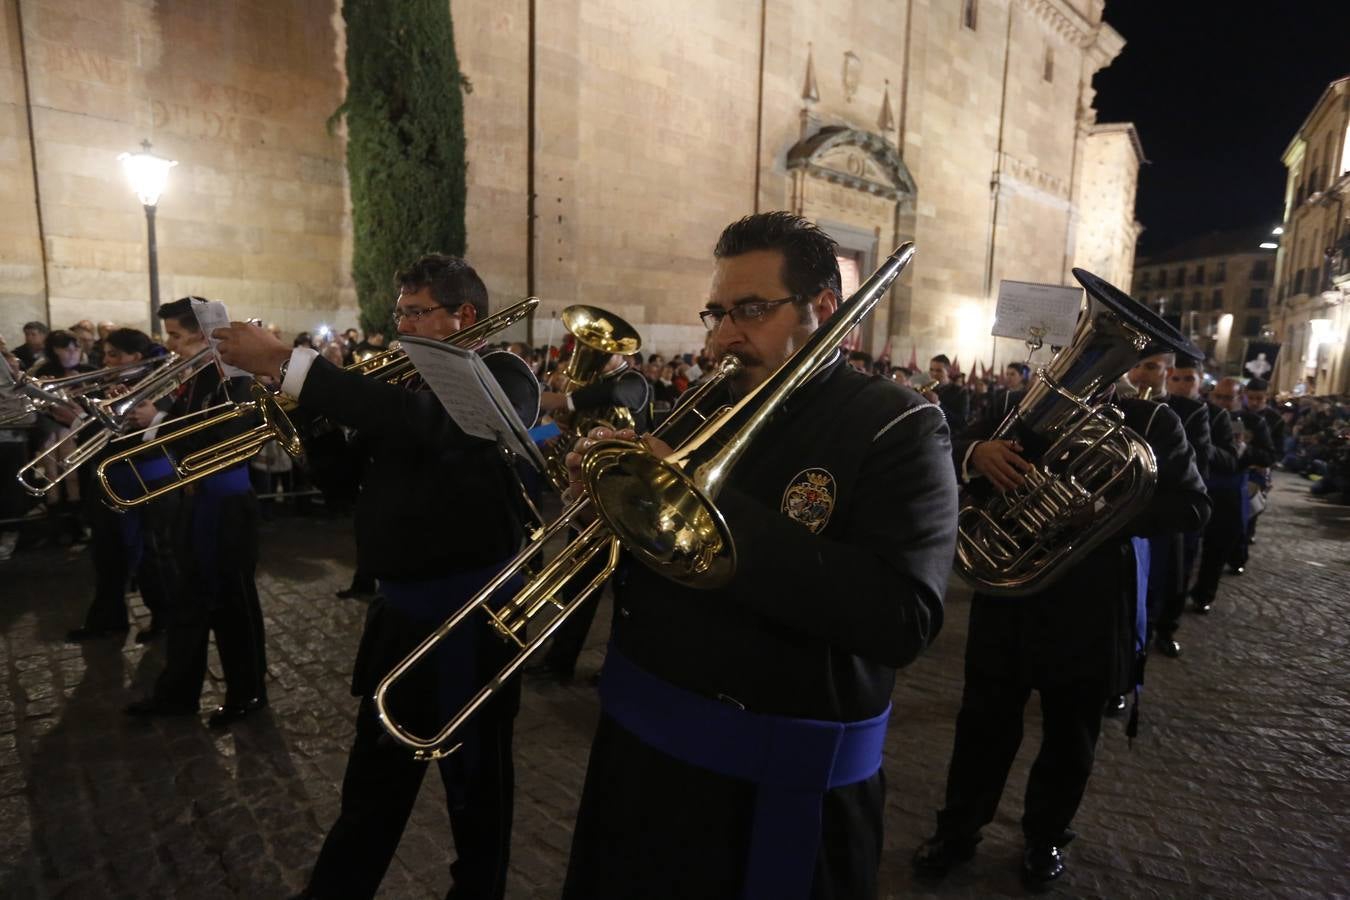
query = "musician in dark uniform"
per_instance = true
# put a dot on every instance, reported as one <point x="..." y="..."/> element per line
<point x="1227" y="530"/>
<point x="137" y="541"/>
<point x="436" y="519"/>
<point x="1166" y="576"/>
<point x="1072" y="642"/>
<point x="952" y="397"/>
<point x="1255" y="395"/>
<point x="1184" y="381"/>
<point x="620" y="388"/>
<point x="216" y="534"/>
<point x="738" y="750"/>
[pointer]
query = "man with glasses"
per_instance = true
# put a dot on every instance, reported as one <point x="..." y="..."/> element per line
<point x="437" y="517"/>
<point x="739" y="747"/>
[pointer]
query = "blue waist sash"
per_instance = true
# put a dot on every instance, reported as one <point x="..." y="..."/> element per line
<point x="792" y="761"/>
<point x="1235" y="482"/>
<point x="208" y="503"/>
<point x="128" y="482"/>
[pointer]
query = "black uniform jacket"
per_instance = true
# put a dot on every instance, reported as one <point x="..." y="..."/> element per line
<point x="1260" y="449"/>
<point x="1275" y="423"/>
<point x="435" y="501"/>
<point x="1080" y="626"/>
<point x="955" y="405"/>
<point x="1224" y="455"/>
<point x="1195" y="421"/>
<point x="843" y="513"/>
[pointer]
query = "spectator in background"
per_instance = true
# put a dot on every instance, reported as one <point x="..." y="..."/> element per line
<point x="333" y="352"/>
<point x="860" y="360"/>
<point x="90" y="348"/>
<point x="34" y="338"/>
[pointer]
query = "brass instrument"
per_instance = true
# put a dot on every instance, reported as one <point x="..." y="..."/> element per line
<point x="1090" y="473"/>
<point x="599" y="335"/>
<point x="40" y="394"/>
<point x="273" y="410"/>
<point x="540" y="593"/>
<point x="660" y="510"/>
<point x="104" y="420"/>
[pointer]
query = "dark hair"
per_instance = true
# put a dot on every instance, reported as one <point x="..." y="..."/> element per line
<point x="942" y="358"/>
<point x="809" y="262"/>
<point x="862" y="355"/>
<point x="452" y="282"/>
<point x="40" y="327"/>
<point x="1190" y="362"/>
<point x="303" y="340"/>
<point x="1022" y="369"/>
<point x="180" y="311"/>
<point x="1258" y="384"/>
<point x="131" y="340"/>
<point x="58" y="340"/>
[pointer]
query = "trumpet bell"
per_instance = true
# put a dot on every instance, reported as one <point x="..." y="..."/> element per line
<point x="659" y="514"/>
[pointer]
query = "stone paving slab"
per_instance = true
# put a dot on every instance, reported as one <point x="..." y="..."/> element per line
<point x="1238" y="785"/>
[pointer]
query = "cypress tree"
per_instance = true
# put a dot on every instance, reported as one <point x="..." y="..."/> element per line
<point x="405" y="142"/>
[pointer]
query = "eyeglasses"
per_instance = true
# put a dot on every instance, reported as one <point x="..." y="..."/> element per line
<point x="743" y="312"/>
<point x="413" y="312"/>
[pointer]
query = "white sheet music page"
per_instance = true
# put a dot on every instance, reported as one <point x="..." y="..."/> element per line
<point x="211" y="314"/>
<point x="469" y="393"/>
<point x="1025" y="308"/>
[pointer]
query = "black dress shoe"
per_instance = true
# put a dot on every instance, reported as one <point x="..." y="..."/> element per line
<point x="152" y="707"/>
<point x="1041" y="864"/>
<point x="1169" y="647"/>
<point x="1202" y="607"/>
<point x="85" y="633"/>
<point x="1115" y="706"/>
<point x="1237" y="570"/>
<point x="146" y="635"/>
<point x="233" y="712"/>
<point x="354" y="593"/>
<point x="936" y="856"/>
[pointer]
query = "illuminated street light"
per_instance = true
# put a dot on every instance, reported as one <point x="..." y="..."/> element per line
<point x="1268" y="245"/>
<point x="148" y="175"/>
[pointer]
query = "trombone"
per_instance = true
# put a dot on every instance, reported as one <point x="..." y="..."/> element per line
<point x="103" y="420"/>
<point x="274" y="410"/>
<point x="39" y="394"/>
<point x="661" y="511"/>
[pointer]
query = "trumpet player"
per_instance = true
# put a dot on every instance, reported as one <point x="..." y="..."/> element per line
<point x="217" y="553"/>
<point x="436" y="517"/>
<point x="713" y="701"/>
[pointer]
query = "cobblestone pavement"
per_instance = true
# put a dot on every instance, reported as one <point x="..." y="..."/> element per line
<point x="1236" y="787"/>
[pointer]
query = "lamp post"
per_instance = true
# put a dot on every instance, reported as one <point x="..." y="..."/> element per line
<point x="148" y="174"/>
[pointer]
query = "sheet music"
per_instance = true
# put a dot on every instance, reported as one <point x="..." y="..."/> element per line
<point x="471" y="395"/>
<point x="211" y="314"/>
<point x="1024" y="308"/>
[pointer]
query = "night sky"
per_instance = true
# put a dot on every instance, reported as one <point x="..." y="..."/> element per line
<point x="1217" y="90"/>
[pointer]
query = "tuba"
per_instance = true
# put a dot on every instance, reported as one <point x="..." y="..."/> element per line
<point x="599" y="335"/>
<point x="660" y="510"/>
<point x="1091" y="473"/>
<point x="272" y="413"/>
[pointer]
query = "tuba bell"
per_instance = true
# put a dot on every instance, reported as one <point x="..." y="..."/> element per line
<point x="1090" y="473"/>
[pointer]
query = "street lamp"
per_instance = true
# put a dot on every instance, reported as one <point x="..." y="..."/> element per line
<point x="148" y="174"/>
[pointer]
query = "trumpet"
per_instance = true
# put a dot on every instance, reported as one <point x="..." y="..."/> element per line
<point x="660" y="510"/>
<point x="103" y="420"/>
<point x="273" y="415"/>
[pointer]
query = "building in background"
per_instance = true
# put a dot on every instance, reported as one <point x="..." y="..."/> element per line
<point x="1311" y="316"/>
<point x="966" y="126"/>
<point x="1216" y="289"/>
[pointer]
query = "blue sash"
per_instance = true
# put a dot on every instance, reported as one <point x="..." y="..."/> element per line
<point x="793" y="762"/>
<point x="208" y="503"/>
<point x="1236" y="482"/>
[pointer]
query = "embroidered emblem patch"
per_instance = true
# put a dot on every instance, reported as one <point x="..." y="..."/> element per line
<point x="809" y="499"/>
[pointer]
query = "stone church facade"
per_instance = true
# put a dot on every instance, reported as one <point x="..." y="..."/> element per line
<point x="964" y="125"/>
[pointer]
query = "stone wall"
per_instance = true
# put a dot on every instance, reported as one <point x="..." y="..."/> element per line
<point x="255" y="212"/>
<point x="655" y="126"/>
<point x="1106" y="238"/>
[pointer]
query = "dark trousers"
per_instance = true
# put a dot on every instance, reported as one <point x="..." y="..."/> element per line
<point x="378" y="792"/>
<point x="1222" y="537"/>
<point x="217" y="594"/>
<point x="148" y="547"/>
<point x="1166" y="586"/>
<point x="988" y="735"/>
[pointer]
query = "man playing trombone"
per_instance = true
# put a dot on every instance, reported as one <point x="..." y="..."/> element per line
<point x="757" y="771"/>
<point x="436" y="517"/>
